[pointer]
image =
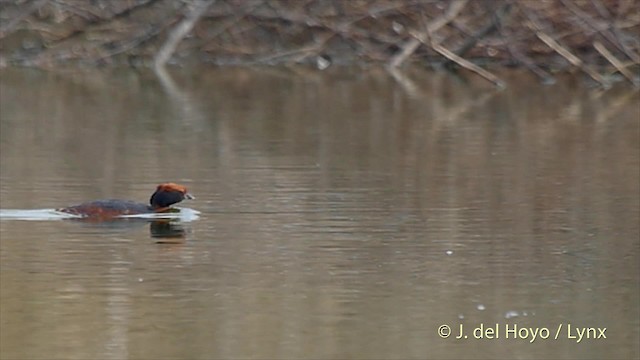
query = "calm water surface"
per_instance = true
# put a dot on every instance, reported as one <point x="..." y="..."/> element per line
<point x="342" y="215"/>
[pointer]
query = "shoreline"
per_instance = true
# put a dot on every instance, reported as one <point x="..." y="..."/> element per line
<point x="600" y="38"/>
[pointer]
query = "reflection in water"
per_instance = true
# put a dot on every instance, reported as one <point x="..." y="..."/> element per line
<point x="167" y="231"/>
<point x="162" y="228"/>
<point x="343" y="215"/>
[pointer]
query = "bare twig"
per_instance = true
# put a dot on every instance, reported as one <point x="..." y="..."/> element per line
<point x="425" y="38"/>
<point x="180" y="31"/>
<point x="299" y="54"/>
<point x="526" y="61"/>
<point x="149" y="33"/>
<point x="10" y="25"/>
<point x="615" y="62"/>
<point x="232" y="21"/>
<point x="412" y="45"/>
<point x="391" y="32"/>
<point x="564" y="52"/>
<point x="522" y="58"/>
<point x="467" y="64"/>
<point x="344" y="28"/>
<point x="602" y="28"/>
<point x="574" y="60"/>
<point x="493" y="25"/>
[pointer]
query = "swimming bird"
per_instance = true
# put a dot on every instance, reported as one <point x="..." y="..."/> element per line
<point x="165" y="195"/>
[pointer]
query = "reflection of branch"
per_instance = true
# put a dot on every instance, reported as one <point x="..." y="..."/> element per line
<point x="167" y="82"/>
<point x="180" y="31"/>
<point x="465" y="107"/>
<point x="407" y="84"/>
<point x="182" y="100"/>
<point x="412" y="45"/>
<point x="615" y="105"/>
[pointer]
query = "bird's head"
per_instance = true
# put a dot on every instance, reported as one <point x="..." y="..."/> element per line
<point x="168" y="194"/>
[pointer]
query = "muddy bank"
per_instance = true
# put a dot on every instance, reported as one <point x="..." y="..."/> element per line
<point x="598" y="37"/>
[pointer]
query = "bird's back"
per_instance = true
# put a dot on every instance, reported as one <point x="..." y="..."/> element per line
<point x="107" y="208"/>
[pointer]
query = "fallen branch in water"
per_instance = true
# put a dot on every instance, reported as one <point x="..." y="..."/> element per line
<point x="412" y="45"/>
<point x="604" y="28"/>
<point x="426" y="38"/>
<point x="553" y="44"/>
<point x="574" y="60"/>
<point x="466" y="64"/>
<point x="615" y="62"/>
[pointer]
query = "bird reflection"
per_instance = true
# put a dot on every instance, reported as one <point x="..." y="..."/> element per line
<point x="164" y="231"/>
<point x="167" y="232"/>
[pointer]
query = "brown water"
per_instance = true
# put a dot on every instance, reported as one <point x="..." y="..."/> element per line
<point x="343" y="215"/>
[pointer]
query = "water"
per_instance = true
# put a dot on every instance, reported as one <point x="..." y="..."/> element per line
<point x="339" y="215"/>
<point x="177" y="213"/>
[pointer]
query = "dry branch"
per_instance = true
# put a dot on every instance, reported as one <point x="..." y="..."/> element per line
<point x="410" y="46"/>
<point x="615" y="62"/>
<point x="10" y="25"/>
<point x="180" y="31"/>
<point x="603" y="27"/>
<point x="493" y="25"/>
<point x="427" y="39"/>
<point x="59" y="32"/>
<point x="467" y="64"/>
<point x="564" y="52"/>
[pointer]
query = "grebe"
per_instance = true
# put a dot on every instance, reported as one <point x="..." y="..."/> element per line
<point x="165" y="195"/>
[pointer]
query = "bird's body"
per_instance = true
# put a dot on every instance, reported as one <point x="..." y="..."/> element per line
<point x="108" y="208"/>
<point x="165" y="195"/>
